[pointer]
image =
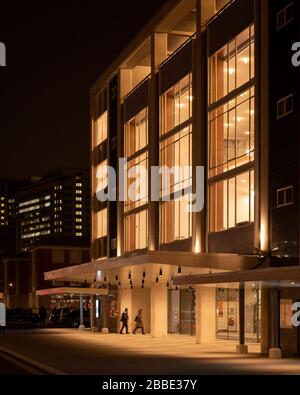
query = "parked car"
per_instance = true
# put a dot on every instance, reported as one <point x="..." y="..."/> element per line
<point x="68" y="317"/>
<point x="21" y="316"/>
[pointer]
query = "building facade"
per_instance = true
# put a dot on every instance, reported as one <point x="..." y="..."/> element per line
<point x="24" y="276"/>
<point x="206" y="84"/>
<point x="54" y="210"/>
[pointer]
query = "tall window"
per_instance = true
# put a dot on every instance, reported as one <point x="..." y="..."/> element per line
<point x="231" y="134"/>
<point x="101" y="129"/>
<point x="176" y="151"/>
<point x="136" y="205"/>
<point x="101" y="223"/>
<point x="176" y="105"/>
<point x="232" y="66"/>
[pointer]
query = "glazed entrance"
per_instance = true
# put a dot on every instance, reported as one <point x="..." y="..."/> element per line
<point x="182" y="313"/>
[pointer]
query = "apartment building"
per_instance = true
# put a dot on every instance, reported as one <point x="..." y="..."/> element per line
<point x="54" y="210"/>
<point x="208" y="84"/>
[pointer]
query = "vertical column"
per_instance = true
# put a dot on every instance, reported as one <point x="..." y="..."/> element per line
<point x="199" y="125"/>
<point x="126" y="302"/>
<point x="123" y="76"/>
<point x="242" y="348"/>
<point x="153" y="139"/>
<point x="159" y="311"/>
<point x="94" y="327"/>
<point x="275" y="351"/>
<point x="262" y="125"/>
<point x="205" y="315"/>
<point x="81" y="326"/>
<point x="265" y="306"/>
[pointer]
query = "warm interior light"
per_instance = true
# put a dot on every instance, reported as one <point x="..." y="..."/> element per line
<point x="197" y="247"/>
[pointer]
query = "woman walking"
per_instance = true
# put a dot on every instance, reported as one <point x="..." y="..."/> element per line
<point x="139" y="322"/>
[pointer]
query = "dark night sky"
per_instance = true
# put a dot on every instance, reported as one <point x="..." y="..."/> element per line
<point x="55" y="51"/>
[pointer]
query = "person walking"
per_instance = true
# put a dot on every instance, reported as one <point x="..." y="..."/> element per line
<point x="139" y="322"/>
<point x="124" y="320"/>
<point x="2" y="317"/>
<point x="42" y="315"/>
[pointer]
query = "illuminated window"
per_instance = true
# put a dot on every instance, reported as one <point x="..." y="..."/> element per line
<point x="136" y="209"/>
<point x="78" y="220"/>
<point x="101" y="176"/>
<point x="78" y="234"/>
<point x="78" y="191"/>
<point x="78" y="227"/>
<point x="78" y="199"/>
<point x="78" y="212"/>
<point x="101" y="129"/>
<point x="232" y="66"/>
<point x="231" y="133"/>
<point x="78" y="185"/>
<point x="101" y="223"/>
<point x="140" y="193"/>
<point x="232" y="202"/>
<point x="78" y="205"/>
<point x="176" y="152"/>
<point x="136" y="133"/>
<point x="136" y="226"/>
<point x="176" y="105"/>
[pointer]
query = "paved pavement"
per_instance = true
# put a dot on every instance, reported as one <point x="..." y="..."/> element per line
<point x="7" y="367"/>
<point x="75" y="352"/>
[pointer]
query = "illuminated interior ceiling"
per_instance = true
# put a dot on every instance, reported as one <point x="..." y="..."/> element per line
<point x="179" y="25"/>
<point x="140" y="57"/>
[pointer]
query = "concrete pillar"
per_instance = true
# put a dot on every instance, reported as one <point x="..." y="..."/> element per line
<point x="199" y="127"/>
<point x="94" y="327"/>
<point x="160" y="53"/>
<point x="153" y="206"/>
<point x="81" y="326"/>
<point x="265" y="305"/>
<point x="159" y="311"/>
<point x="205" y="315"/>
<point x="126" y="302"/>
<point x="275" y="351"/>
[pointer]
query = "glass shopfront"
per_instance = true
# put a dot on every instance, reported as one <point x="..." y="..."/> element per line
<point x="227" y="304"/>
<point x="182" y="314"/>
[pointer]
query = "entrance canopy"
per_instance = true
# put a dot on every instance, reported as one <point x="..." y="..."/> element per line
<point x="209" y="262"/>
<point x="282" y="276"/>
<point x="72" y="291"/>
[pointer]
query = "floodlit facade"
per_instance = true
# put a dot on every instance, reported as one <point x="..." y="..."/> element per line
<point x="207" y="83"/>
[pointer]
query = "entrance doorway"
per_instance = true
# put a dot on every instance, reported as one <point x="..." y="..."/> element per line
<point x="227" y="303"/>
<point x="181" y="312"/>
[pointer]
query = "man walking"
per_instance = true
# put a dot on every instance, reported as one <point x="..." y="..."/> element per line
<point x="2" y="317"/>
<point x="124" y="320"/>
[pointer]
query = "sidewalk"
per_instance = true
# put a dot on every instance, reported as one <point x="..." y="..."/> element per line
<point x="76" y="352"/>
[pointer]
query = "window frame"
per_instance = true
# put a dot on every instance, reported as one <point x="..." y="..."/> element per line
<point x="284" y="191"/>
<point x="284" y="101"/>
<point x="283" y="12"/>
